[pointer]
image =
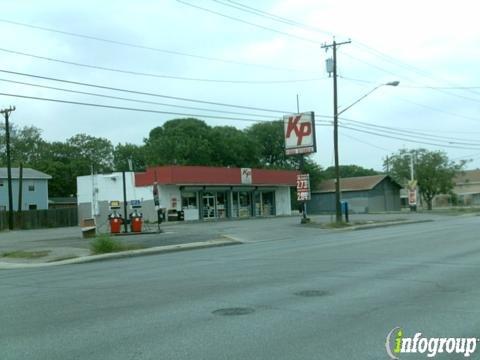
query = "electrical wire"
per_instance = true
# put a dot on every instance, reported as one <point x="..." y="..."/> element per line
<point x="365" y="142"/>
<point x="250" y="23"/>
<point x="419" y="134"/>
<point x="383" y="135"/>
<point x="124" y="108"/>
<point x="171" y="77"/>
<point x="149" y="93"/>
<point x="390" y="59"/>
<point x="413" y="102"/>
<point x="143" y="47"/>
<point x="136" y="100"/>
<point x="270" y="16"/>
<point x="440" y="90"/>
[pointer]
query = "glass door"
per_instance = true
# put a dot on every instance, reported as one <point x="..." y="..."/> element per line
<point x="208" y="206"/>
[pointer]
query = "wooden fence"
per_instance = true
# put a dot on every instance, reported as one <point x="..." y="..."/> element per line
<point x="38" y="219"/>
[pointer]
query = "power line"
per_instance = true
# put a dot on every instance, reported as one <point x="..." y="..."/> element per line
<point x="413" y="86"/>
<point x="365" y="142"/>
<point x="146" y="93"/>
<point x="416" y="103"/>
<point x="250" y="23"/>
<point x="124" y="108"/>
<point x="405" y="139"/>
<point x="403" y="77"/>
<point x="133" y="100"/>
<point x="270" y="16"/>
<point x="385" y="57"/>
<point x="139" y="73"/>
<point x="417" y="70"/>
<point x="137" y="46"/>
<point x="419" y="134"/>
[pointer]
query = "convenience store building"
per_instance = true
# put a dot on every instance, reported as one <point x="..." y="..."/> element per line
<point x="191" y="192"/>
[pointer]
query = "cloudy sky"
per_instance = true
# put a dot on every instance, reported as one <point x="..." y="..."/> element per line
<point x="227" y="52"/>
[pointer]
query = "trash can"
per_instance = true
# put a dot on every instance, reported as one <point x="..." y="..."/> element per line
<point x="181" y="215"/>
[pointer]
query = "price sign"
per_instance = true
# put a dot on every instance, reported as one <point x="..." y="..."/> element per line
<point x="303" y="187"/>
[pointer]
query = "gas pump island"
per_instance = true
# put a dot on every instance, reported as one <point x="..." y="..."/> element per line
<point x="115" y="218"/>
<point x="135" y="217"/>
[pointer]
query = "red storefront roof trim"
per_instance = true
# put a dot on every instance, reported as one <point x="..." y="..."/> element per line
<point x="204" y="175"/>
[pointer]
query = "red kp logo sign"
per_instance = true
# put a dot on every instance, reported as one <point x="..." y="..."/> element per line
<point x="300" y="130"/>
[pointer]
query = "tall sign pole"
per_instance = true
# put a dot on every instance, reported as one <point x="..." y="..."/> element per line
<point x="299" y="133"/>
<point x="6" y="114"/>
<point x="302" y="169"/>
<point x="338" y="209"/>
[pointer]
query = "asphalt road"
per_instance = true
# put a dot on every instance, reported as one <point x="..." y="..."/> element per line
<point x="422" y="277"/>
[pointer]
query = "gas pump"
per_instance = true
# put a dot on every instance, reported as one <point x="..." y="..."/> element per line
<point x="115" y="218"/>
<point x="136" y="217"/>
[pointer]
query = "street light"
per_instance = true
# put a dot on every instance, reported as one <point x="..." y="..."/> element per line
<point x="391" y="83"/>
<point x="338" y="209"/>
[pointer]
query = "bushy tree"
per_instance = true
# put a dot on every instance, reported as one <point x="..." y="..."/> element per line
<point x="433" y="170"/>
<point x="349" y="171"/>
<point x="125" y="152"/>
<point x="180" y="141"/>
<point x="233" y="147"/>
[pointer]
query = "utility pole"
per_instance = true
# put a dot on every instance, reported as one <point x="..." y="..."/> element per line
<point x="6" y="114"/>
<point x="338" y="210"/>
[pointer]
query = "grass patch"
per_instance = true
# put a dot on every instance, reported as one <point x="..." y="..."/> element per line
<point x="104" y="244"/>
<point x="20" y="254"/>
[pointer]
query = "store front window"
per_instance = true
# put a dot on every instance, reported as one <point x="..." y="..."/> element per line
<point x="189" y="200"/>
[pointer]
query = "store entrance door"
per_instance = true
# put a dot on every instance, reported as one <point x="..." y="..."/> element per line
<point x="208" y="206"/>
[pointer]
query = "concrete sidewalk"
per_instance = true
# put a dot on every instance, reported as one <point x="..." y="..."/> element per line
<point x="59" y="244"/>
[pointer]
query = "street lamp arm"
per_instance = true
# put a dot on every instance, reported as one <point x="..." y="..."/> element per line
<point x="358" y="100"/>
<point x="392" y="83"/>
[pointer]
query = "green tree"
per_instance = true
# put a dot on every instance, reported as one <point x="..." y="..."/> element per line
<point x="91" y="151"/>
<point x="349" y="171"/>
<point x="270" y="141"/>
<point x="26" y="145"/>
<point x="124" y="152"/>
<point x="77" y="156"/>
<point x="233" y="147"/>
<point x="180" y="141"/>
<point x="433" y="171"/>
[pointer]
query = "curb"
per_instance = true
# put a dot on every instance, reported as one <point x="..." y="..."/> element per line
<point x="126" y="254"/>
<point x="393" y="223"/>
<point x="373" y="226"/>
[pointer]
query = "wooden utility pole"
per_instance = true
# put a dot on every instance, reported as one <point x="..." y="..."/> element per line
<point x="6" y="114"/>
<point x="338" y="209"/>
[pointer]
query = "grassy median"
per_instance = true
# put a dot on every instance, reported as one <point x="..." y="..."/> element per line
<point x="104" y="244"/>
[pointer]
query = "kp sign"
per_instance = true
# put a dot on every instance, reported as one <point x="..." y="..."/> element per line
<point x="299" y="132"/>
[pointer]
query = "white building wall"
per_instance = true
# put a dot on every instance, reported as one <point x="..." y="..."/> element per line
<point x="108" y="187"/>
<point x="282" y="201"/>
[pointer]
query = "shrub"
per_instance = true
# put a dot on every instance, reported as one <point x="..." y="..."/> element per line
<point x="103" y="244"/>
